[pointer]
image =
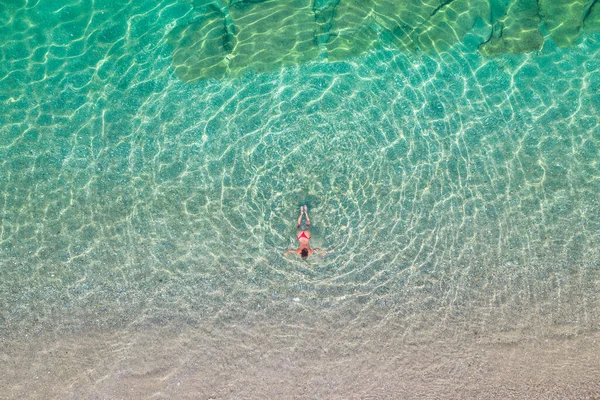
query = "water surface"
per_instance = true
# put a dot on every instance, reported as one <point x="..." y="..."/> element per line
<point x="144" y="212"/>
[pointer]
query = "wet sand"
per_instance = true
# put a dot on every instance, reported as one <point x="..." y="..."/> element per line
<point x="287" y="362"/>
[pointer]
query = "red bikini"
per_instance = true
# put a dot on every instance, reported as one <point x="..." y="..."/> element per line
<point x="303" y="235"/>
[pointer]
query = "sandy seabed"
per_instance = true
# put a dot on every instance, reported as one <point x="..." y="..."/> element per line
<point x="287" y="362"/>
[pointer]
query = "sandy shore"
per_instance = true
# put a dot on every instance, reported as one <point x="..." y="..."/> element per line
<point x="287" y="362"/>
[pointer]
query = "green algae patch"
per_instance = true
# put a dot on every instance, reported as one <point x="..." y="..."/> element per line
<point x="516" y="32"/>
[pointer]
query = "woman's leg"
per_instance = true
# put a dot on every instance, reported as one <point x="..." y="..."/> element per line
<point x="299" y="218"/>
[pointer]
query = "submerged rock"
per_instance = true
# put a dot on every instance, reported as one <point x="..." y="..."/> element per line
<point x="591" y="22"/>
<point x="449" y="23"/>
<point x="352" y="29"/>
<point x="563" y="19"/>
<point x="517" y="32"/>
<point x="201" y="48"/>
<point x="272" y="34"/>
<point x="232" y="36"/>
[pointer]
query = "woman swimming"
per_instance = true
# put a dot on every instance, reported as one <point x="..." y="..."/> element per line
<point x="303" y="236"/>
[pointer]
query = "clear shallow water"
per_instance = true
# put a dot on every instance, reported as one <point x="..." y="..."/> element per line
<point x="457" y="194"/>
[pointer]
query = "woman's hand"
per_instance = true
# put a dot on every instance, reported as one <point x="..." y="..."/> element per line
<point x="321" y="252"/>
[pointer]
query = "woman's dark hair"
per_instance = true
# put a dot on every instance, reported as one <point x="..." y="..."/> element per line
<point x="304" y="254"/>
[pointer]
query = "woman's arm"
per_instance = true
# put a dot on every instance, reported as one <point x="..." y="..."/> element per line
<point x="289" y="252"/>
<point x="321" y="252"/>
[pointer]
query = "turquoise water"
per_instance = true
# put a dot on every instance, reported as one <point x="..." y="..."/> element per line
<point x="456" y="194"/>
